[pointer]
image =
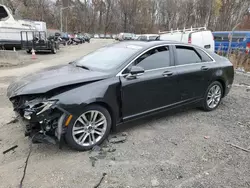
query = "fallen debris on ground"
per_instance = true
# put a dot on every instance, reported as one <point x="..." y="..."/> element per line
<point x="246" y="150"/>
<point x="14" y="120"/>
<point x="118" y="138"/>
<point x="10" y="149"/>
<point x="99" y="183"/>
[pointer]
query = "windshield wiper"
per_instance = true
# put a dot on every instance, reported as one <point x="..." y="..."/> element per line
<point x="82" y="66"/>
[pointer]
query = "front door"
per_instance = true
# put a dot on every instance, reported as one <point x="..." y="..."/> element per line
<point x="153" y="90"/>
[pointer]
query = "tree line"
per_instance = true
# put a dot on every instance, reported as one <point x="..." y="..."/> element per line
<point x="137" y="16"/>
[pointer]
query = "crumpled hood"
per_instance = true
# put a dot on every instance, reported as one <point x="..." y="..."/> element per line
<point x="51" y="78"/>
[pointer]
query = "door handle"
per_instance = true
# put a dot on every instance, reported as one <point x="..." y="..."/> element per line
<point x="167" y="73"/>
<point x="207" y="46"/>
<point x="204" y="68"/>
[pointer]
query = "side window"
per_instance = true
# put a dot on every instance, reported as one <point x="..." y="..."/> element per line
<point x="187" y="55"/>
<point x="204" y="56"/>
<point x="152" y="38"/>
<point x="155" y="58"/>
<point x="143" y="38"/>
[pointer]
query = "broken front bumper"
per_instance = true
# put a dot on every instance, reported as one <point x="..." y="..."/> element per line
<point x="43" y="120"/>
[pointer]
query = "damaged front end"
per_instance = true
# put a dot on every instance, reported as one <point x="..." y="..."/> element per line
<point x="42" y="118"/>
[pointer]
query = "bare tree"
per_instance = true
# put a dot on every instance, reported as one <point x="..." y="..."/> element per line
<point x="138" y="16"/>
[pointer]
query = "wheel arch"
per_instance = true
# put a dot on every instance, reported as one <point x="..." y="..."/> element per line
<point x="110" y="110"/>
<point x="222" y="82"/>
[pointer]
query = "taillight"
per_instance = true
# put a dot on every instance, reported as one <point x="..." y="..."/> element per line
<point x="189" y="40"/>
<point x="248" y="47"/>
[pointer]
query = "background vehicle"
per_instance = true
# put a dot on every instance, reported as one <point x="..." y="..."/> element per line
<point x="10" y="29"/>
<point x="39" y="42"/>
<point x="89" y="35"/>
<point x="81" y="38"/>
<point x="96" y="36"/>
<point x="240" y="41"/>
<point x="87" y="98"/>
<point x="125" y="36"/>
<point x="102" y="36"/>
<point x="86" y="37"/>
<point x="65" y="38"/>
<point x="148" y="37"/>
<point x="197" y="36"/>
<point x="134" y="37"/>
<point x="108" y="36"/>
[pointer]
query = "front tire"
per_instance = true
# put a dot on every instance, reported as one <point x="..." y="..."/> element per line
<point x="213" y="96"/>
<point x="91" y="128"/>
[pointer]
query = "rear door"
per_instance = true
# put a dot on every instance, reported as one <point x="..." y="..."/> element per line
<point x="208" y="40"/>
<point x="196" y="39"/>
<point x="203" y="39"/>
<point x="195" y="68"/>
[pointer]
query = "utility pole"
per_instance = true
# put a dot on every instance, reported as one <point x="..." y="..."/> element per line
<point x="61" y="24"/>
<point x="61" y="16"/>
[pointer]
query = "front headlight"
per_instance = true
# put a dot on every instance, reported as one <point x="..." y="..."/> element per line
<point x="44" y="106"/>
<point x="40" y="105"/>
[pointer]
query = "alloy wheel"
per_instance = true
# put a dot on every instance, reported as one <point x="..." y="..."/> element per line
<point x="89" y="128"/>
<point x="214" y="96"/>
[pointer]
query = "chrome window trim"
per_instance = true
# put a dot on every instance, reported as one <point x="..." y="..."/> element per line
<point x="213" y="61"/>
<point x="160" y="45"/>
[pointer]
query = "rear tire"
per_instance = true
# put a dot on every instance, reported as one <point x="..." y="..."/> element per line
<point x="91" y="128"/>
<point x="213" y="96"/>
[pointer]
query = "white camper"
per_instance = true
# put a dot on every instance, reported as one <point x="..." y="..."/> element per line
<point x="197" y="36"/>
<point x="40" y="26"/>
<point x="10" y="29"/>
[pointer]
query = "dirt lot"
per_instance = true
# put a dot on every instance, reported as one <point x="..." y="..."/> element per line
<point x="187" y="148"/>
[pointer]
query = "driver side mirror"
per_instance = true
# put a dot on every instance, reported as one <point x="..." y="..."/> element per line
<point x="134" y="72"/>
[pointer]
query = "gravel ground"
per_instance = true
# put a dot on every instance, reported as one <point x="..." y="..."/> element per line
<point x="185" y="148"/>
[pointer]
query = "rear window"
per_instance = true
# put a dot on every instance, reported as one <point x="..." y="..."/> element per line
<point x="204" y="56"/>
<point x="143" y="38"/>
<point x="187" y="55"/>
<point x="152" y="37"/>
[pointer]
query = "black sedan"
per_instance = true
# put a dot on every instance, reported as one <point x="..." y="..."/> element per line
<point x="86" y="99"/>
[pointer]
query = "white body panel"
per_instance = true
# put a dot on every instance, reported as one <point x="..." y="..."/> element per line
<point x="10" y="29"/>
<point x="203" y="39"/>
<point x="40" y="26"/>
<point x="208" y="39"/>
<point x="197" y="39"/>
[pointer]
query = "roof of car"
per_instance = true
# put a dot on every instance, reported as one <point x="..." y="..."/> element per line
<point x="144" y="44"/>
<point x="150" y="35"/>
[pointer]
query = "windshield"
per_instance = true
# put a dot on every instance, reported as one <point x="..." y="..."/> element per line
<point x="107" y="58"/>
<point x="152" y="37"/>
<point x="127" y="35"/>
